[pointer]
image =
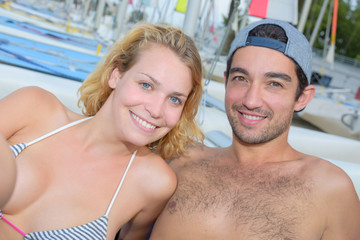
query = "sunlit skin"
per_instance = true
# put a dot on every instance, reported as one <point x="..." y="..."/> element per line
<point x="88" y="160"/>
<point x="150" y="94"/>
<point x="260" y="94"/>
<point x="7" y="172"/>
<point x="259" y="187"/>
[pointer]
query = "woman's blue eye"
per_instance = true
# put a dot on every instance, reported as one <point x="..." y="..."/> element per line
<point x="175" y="99"/>
<point x="146" y="85"/>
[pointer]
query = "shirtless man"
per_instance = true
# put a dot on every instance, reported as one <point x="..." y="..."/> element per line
<point x="260" y="187"/>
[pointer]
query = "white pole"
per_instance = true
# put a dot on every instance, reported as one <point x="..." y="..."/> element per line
<point x="191" y="17"/>
<point x="68" y="5"/>
<point x="206" y="23"/>
<point x="304" y="15"/>
<point x="120" y="18"/>
<point x="164" y="12"/>
<point x="245" y="16"/>
<point x="327" y="32"/>
<point x="318" y="22"/>
<point x="99" y="13"/>
<point x="85" y="9"/>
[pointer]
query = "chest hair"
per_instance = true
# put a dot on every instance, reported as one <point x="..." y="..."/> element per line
<point x="269" y="201"/>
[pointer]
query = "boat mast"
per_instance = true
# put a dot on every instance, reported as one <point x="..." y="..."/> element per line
<point x="304" y="15"/>
<point x="331" y="52"/>
<point x="318" y="22"/>
<point x="99" y="13"/>
<point x="191" y="16"/>
<point x="120" y="18"/>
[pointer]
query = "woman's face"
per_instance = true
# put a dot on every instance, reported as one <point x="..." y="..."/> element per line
<point x="148" y="99"/>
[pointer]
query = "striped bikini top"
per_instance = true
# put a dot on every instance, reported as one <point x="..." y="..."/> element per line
<point x="95" y="230"/>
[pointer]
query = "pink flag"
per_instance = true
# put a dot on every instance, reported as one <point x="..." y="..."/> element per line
<point x="285" y="10"/>
<point x="258" y="8"/>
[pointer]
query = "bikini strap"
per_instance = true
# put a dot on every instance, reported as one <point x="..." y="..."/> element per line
<point x="120" y="184"/>
<point x="56" y="131"/>
<point x="12" y="225"/>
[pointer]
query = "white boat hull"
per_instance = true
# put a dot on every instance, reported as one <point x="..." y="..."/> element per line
<point x="333" y="117"/>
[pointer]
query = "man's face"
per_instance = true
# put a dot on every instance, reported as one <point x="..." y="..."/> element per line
<point x="260" y="94"/>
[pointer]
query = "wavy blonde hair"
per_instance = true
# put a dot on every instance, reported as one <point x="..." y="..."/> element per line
<point x="123" y="55"/>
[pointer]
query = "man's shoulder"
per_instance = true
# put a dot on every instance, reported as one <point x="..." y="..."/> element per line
<point x="338" y="198"/>
<point x="319" y="168"/>
<point x="323" y="167"/>
<point x="197" y="150"/>
<point x="193" y="153"/>
<point x="329" y="178"/>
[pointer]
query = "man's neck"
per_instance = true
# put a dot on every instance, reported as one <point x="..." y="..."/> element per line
<point x="276" y="150"/>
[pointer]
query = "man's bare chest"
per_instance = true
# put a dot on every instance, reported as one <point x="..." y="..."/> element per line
<point x="266" y="203"/>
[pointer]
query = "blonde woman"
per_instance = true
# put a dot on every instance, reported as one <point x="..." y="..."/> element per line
<point x="89" y="176"/>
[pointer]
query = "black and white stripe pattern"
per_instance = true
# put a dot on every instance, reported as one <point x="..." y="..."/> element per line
<point x="17" y="148"/>
<point x="95" y="230"/>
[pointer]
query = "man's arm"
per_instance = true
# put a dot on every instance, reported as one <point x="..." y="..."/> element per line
<point x="343" y="210"/>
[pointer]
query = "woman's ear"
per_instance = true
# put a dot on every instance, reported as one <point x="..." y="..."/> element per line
<point x="305" y="98"/>
<point x="114" y="77"/>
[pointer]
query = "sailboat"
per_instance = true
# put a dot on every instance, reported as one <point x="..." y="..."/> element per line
<point x="335" y="108"/>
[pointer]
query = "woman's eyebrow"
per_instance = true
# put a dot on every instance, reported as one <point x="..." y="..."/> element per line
<point x="156" y="82"/>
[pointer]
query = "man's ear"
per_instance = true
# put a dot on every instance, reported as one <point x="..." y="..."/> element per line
<point x="225" y="80"/>
<point x="114" y="78"/>
<point x="305" y="98"/>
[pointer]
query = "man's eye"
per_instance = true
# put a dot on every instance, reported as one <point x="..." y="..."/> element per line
<point x="275" y="84"/>
<point x="239" y="78"/>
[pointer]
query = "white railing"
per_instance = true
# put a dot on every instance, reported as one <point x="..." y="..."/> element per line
<point x="339" y="58"/>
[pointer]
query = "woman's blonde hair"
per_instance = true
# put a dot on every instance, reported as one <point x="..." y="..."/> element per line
<point x="123" y="55"/>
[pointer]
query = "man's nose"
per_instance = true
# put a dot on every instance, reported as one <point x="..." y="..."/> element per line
<point x="253" y="97"/>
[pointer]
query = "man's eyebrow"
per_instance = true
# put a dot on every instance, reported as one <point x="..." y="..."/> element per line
<point x="282" y="76"/>
<point x="238" y="70"/>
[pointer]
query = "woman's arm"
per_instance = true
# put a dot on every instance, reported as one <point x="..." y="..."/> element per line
<point x="7" y="172"/>
<point x="28" y="111"/>
<point x="158" y="186"/>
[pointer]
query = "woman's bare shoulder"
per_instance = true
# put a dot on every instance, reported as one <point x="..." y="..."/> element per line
<point x="159" y="177"/>
<point x="31" y="101"/>
<point x="30" y="108"/>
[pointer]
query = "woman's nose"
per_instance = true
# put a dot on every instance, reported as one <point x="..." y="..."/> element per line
<point x="155" y="107"/>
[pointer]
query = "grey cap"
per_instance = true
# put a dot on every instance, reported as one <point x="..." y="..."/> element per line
<point x="296" y="48"/>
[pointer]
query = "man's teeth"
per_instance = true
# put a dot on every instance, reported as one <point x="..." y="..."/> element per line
<point x="251" y="117"/>
<point x="142" y="122"/>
